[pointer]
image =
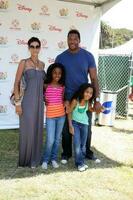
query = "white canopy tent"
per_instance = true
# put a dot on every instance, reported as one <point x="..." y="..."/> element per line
<point x="104" y="4"/>
<point x="50" y="21"/>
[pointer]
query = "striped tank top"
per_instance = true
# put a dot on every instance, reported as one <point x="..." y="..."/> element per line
<point x="54" y="101"/>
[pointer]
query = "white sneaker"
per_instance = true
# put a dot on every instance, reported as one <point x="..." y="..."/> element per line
<point x="97" y="161"/>
<point x="55" y="164"/>
<point x="85" y="166"/>
<point x="81" y="168"/>
<point x="64" y="162"/>
<point x="33" y="167"/>
<point x="44" y="165"/>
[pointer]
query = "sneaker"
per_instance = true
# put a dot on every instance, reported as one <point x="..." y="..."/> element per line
<point x="33" y="167"/>
<point x="44" y="165"/>
<point x="97" y="161"/>
<point x="85" y="166"/>
<point x="55" y="164"/>
<point x="64" y="161"/>
<point x="81" y="168"/>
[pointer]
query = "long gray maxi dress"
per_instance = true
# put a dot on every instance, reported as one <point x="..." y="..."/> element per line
<point x="31" y="120"/>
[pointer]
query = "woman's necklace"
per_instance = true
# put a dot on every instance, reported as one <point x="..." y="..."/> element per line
<point x="36" y="64"/>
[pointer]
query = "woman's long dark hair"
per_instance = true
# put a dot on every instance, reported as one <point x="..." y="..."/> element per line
<point x="80" y="93"/>
<point x="50" y="70"/>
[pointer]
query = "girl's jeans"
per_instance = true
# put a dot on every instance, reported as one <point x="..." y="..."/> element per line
<point x="79" y="142"/>
<point x="54" y="128"/>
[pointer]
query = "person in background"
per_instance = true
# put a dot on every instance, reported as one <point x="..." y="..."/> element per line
<point x="80" y="104"/>
<point x="55" y="113"/>
<point x="31" y="108"/>
<point x="78" y="64"/>
<point x="131" y="85"/>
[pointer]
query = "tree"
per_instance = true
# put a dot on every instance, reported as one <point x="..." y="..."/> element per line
<point x="110" y="37"/>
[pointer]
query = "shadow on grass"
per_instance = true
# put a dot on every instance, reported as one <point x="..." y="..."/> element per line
<point x="9" y="157"/>
<point x="119" y="130"/>
<point x="131" y="116"/>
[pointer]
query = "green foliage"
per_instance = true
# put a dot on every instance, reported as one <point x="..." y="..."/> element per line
<point x="113" y="37"/>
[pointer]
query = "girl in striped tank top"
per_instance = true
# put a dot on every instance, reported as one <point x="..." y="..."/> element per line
<point x="55" y="113"/>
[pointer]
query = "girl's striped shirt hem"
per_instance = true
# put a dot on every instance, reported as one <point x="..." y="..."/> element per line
<point x="54" y="101"/>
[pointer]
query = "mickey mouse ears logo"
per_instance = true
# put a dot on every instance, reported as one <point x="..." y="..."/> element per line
<point x="107" y="107"/>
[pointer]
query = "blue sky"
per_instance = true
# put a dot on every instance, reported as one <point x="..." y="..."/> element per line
<point x="121" y="15"/>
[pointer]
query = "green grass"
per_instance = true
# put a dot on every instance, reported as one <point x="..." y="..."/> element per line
<point x="112" y="179"/>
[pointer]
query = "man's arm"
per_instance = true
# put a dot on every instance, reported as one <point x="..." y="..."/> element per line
<point x="131" y="84"/>
<point x="131" y="95"/>
<point x="94" y="81"/>
<point x="132" y="89"/>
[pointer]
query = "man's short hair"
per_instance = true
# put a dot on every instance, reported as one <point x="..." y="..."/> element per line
<point x="74" y="31"/>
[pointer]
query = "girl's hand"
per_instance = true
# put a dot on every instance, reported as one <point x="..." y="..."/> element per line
<point x="67" y="106"/>
<point x="71" y="129"/>
<point x="18" y="110"/>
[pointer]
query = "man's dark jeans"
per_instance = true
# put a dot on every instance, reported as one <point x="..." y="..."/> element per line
<point x="67" y="140"/>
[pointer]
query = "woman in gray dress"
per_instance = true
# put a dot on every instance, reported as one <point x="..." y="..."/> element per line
<point x="31" y="108"/>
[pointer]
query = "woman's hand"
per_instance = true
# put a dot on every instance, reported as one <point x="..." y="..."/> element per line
<point x="18" y="110"/>
<point x="71" y="129"/>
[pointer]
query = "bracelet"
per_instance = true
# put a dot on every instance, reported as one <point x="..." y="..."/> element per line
<point x="17" y="99"/>
<point x="18" y="103"/>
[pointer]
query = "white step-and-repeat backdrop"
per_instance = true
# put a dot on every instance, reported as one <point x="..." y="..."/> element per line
<point x="50" y="21"/>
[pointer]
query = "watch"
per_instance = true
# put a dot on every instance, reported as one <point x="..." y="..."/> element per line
<point x="97" y="99"/>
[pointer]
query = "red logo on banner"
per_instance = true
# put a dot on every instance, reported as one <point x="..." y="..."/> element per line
<point x="44" y="11"/>
<point x="80" y="14"/>
<point x="15" y="25"/>
<point x="54" y="28"/>
<point x="3" y="4"/>
<point x="3" y="40"/>
<point x="24" y="8"/>
<point x="51" y="60"/>
<point x="21" y="42"/>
